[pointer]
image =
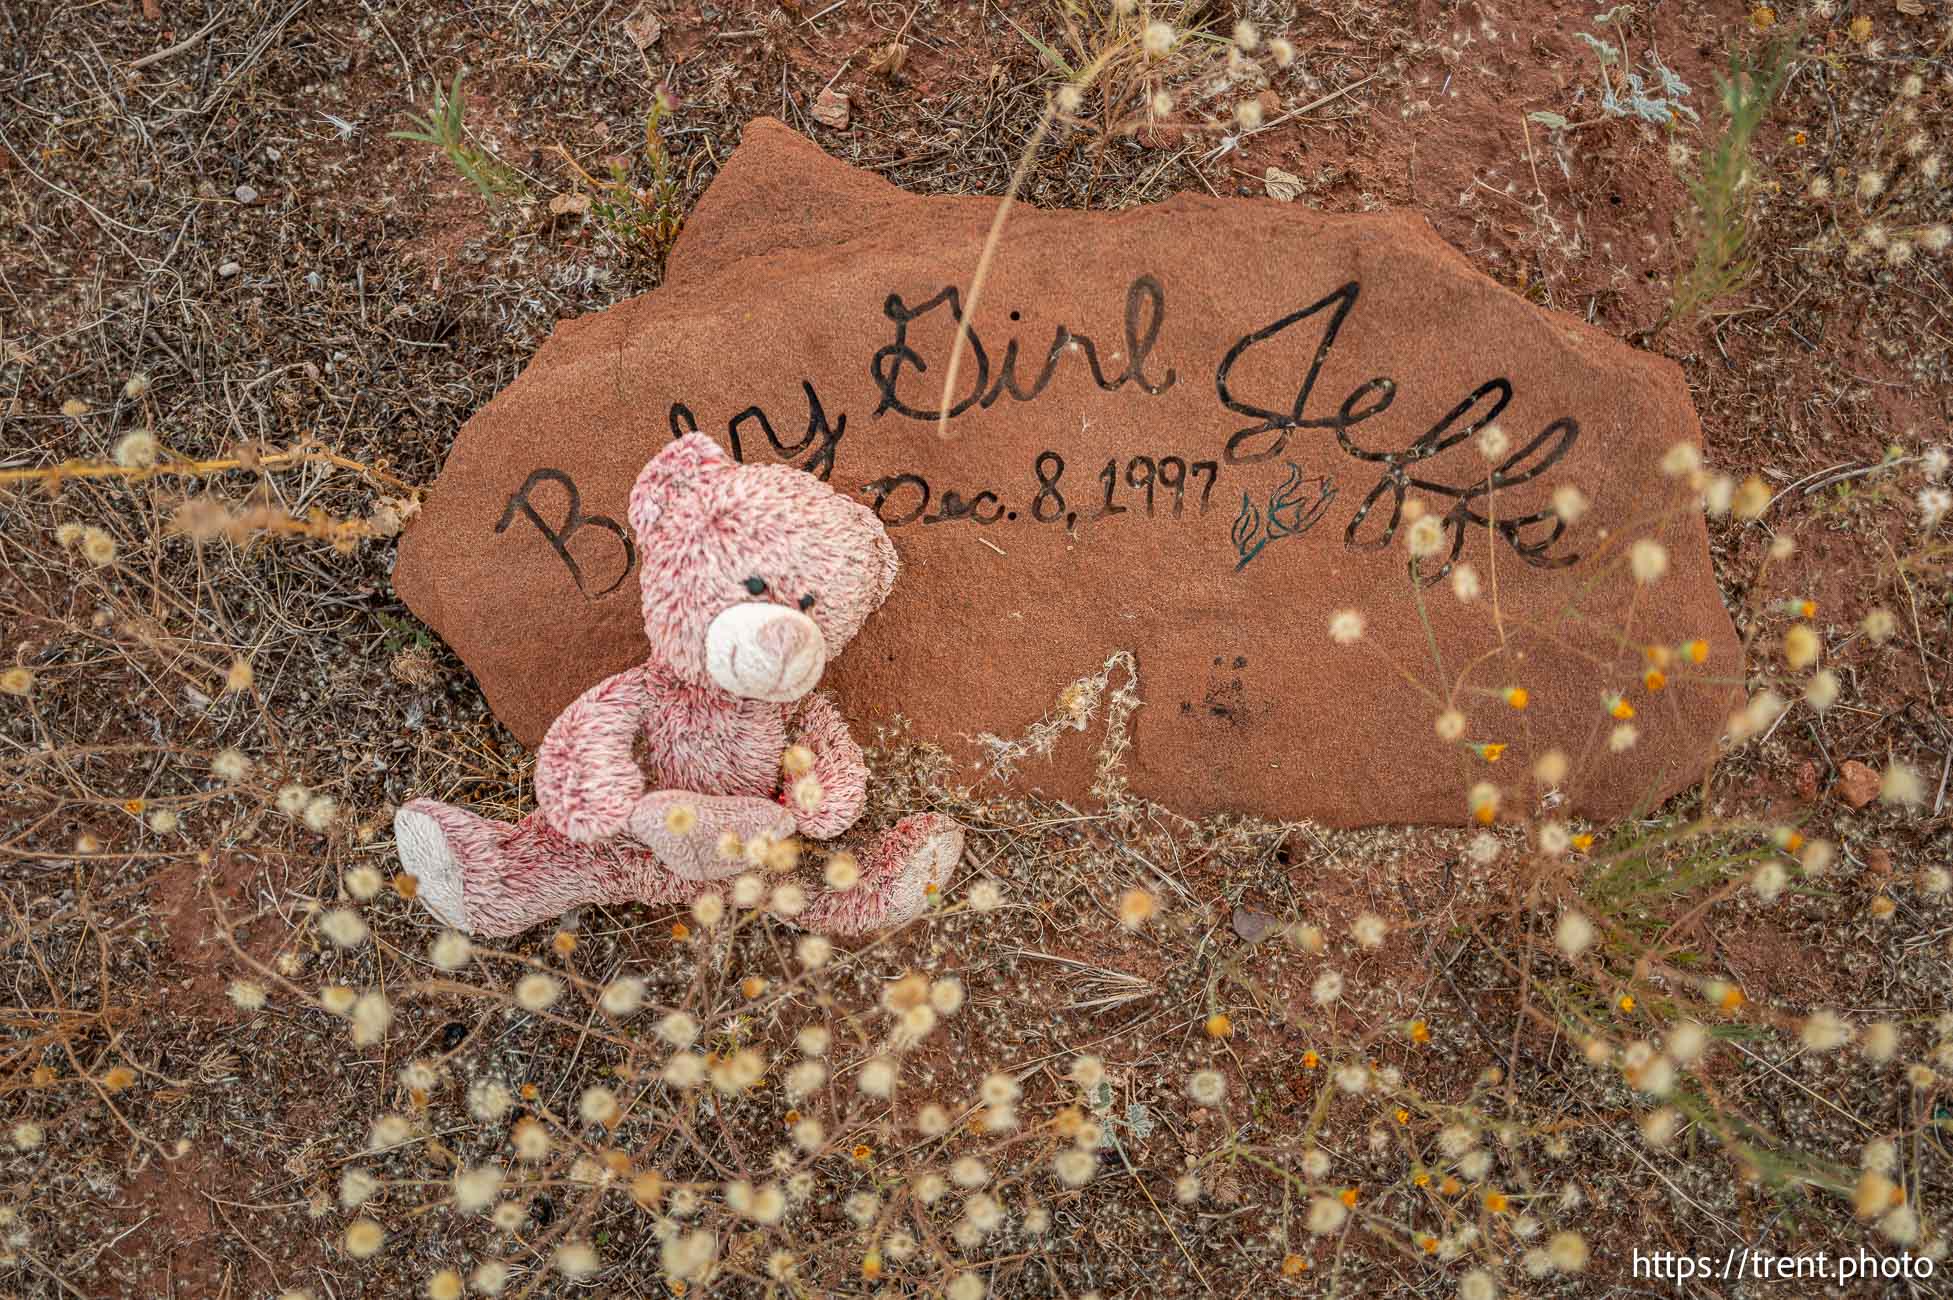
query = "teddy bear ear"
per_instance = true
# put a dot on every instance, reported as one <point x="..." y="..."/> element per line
<point x="672" y="472"/>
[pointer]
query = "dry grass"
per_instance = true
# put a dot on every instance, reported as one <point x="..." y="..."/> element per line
<point x="304" y="354"/>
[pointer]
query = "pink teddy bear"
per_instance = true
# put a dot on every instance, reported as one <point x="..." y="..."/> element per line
<point x="753" y="577"/>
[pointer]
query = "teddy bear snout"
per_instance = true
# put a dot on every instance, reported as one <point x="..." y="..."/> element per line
<point x="762" y="651"/>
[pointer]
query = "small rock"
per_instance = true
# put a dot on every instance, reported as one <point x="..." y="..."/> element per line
<point x="1807" y="781"/>
<point x="273" y="155"/>
<point x="1253" y="926"/>
<point x="1857" y="784"/>
<point x="245" y="194"/>
<point x="644" y="28"/>
<point x="1878" y="861"/>
<point x="228" y="269"/>
<point x="574" y="201"/>
<point x="1283" y="186"/>
<point x="1271" y="106"/>
<point x="831" y="109"/>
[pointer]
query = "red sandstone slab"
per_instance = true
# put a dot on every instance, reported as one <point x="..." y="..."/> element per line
<point x="1165" y="446"/>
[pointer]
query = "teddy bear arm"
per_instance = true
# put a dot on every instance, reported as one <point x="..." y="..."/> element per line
<point x="839" y="769"/>
<point x="587" y="778"/>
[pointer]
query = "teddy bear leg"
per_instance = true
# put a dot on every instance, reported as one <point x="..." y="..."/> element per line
<point x="693" y="852"/>
<point x="491" y="879"/>
<point x="898" y="869"/>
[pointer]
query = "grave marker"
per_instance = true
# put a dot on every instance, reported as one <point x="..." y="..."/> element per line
<point x="1196" y="431"/>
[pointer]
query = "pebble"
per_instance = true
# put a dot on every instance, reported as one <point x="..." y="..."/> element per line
<point x="1857" y="784"/>
<point x="1252" y="925"/>
<point x="229" y="269"/>
<point x="245" y="194"/>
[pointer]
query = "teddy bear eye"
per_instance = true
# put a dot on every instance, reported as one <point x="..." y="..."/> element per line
<point x="757" y="586"/>
<point x="806" y="603"/>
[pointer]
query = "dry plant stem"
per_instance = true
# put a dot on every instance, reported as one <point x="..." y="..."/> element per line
<point x="67" y="1047"/>
<point x="1521" y="920"/>
<point x="1491" y="531"/>
<point x="1424" y="620"/>
<point x="171" y="51"/>
<point x="1919" y="640"/>
<point x="1681" y="924"/>
<point x="982" y="274"/>
<point x="1084" y="78"/>
<point x="305" y="454"/>
<point x="1140" y="1183"/>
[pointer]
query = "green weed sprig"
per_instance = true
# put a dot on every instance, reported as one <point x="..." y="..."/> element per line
<point x="444" y="129"/>
<point x="1722" y="199"/>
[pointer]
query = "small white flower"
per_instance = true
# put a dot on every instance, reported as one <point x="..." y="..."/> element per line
<point x="537" y="992"/>
<point x="1934" y="502"/>
<point x="1326" y="1214"/>
<point x="1493" y="444"/>
<point x="877" y="1077"/>
<point x="1826" y="1031"/>
<point x="1821" y="692"/>
<point x="1425" y="537"/>
<point x="622" y="997"/>
<point x="1901" y="784"/>
<point x="1074" y="1167"/>
<point x="451" y="951"/>
<point x="678" y="1029"/>
<point x="1769" y="880"/>
<point x="343" y="926"/>
<point x="1575" y="934"/>
<point x="1648" y="559"/>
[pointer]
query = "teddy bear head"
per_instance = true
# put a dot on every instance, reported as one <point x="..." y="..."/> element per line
<point x="754" y="576"/>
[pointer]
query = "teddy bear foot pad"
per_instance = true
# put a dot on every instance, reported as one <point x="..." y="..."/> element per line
<point x="425" y="854"/>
